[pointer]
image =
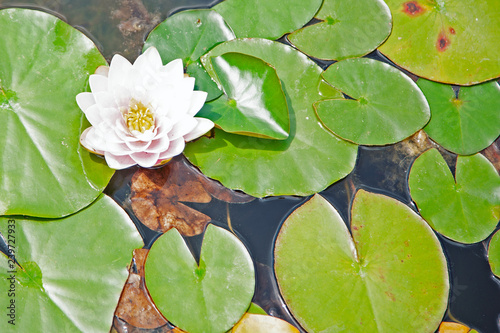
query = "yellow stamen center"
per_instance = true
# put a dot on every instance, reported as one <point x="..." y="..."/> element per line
<point x="139" y="117"/>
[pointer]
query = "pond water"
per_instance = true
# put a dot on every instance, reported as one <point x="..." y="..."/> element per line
<point x="120" y="26"/>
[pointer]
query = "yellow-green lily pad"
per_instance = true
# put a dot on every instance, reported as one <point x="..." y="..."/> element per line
<point x="389" y="275"/>
<point x="465" y="208"/>
<point x="494" y="254"/>
<point x="347" y="29"/>
<point x="446" y="40"/>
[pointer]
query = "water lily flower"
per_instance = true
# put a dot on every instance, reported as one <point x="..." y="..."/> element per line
<point x="141" y="113"/>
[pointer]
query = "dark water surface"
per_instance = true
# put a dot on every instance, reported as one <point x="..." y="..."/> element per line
<point x="120" y="26"/>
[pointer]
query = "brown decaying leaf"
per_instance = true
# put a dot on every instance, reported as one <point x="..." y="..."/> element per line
<point x="449" y="327"/>
<point x="492" y="153"/>
<point x="135" y="306"/>
<point x="157" y="195"/>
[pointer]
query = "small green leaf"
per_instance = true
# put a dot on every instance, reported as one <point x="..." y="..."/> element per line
<point x="209" y="297"/>
<point x="387" y="107"/>
<point x="44" y="64"/>
<point x="348" y="29"/>
<point x="253" y="103"/>
<point x="267" y="18"/>
<point x="447" y="40"/>
<point x="390" y="275"/>
<point x="494" y="254"/>
<point x="467" y="209"/>
<point x="309" y="160"/>
<point x="189" y="35"/>
<point x="73" y="269"/>
<point x="465" y="124"/>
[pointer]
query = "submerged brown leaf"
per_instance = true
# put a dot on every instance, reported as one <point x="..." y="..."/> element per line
<point x="492" y="153"/>
<point x="157" y="197"/>
<point x="135" y="306"/>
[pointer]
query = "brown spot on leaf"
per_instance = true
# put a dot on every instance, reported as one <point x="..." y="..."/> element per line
<point x="407" y="243"/>
<point x="442" y="42"/>
<point x="413" y="8"/>
<point x="158" y="196"/>
<point x="391" y="296"/>
<point x="452" y="31"/>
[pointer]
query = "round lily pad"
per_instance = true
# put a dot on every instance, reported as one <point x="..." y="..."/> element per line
<point x="267" y="18"/>
<point x="464" y="124"/>
<point x="447" y="41"/>
<point x="347" y="29"/>
<point x="207" y="297"/>
<point x="465" y="209"/>
<point x="189" y="35"/>
<point x="390" y="274"/>
<point x="387" y="106"/>
<point x="494" y="254"/>
<point x="258" y="323"/>
<point x="45" y="64"/>
<point x="253" y="102"/>
<point x="73" y="269"/>
<point x="307" y="162"/>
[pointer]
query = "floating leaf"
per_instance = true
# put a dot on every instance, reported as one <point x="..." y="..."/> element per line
<point x="189" y="35"/>
<point x="255" y="309"/>
<point x="463" y="124"/>
<point x="135" y="305"/>
<point x="494" y="254"/>
<point x="209" y="297"/>
<point x="307" y="162"/>
<point x="387" y="107"/>
<point x="390" y="274"/>
<point x="267" y="18"/>
<point x="253" y="103"/>
<point x="465" y="209"/>
<point x="347" y="29"/>
<point x="257" y="323"/>
<point x="449" y="327"/>
<point x="446" y="41"/>
<point x="157" y="197"/>
<point x="73" y="271"/>
<point x="45" y="64"/>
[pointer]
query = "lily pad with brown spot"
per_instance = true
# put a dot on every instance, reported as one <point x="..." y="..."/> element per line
<point x="447" y="41"/>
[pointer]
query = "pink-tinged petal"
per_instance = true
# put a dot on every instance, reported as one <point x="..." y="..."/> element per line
<point x="93" y="140"/>
<point x="105" y="99"/>
<point x="122" y="97"/>
<point x="204" y="125"/>
<point x="198" y="99"/>
<point x="117" y="148"/>
<point x="137" y="146"/>
<point x="175" y="148"/>
<point x="118" y="71"/>
<point x="85" y="100"/>
<point x="84" y="142"/>
<point x="174" y="70"/>
<point x="145" y="160"/>
<point x="159" y="145"/>
<point x="183" y="127"/>
<point x="118" y="162"/>
<point x="102" y="70"/>
<point x="163" y="126"/>
<point x="93" y="115"/>
<point x="125" y="136"/>
<point x="98" y="83"/>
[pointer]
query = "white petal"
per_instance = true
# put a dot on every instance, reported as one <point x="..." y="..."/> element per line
<point x="93" y="115"/>
<point x="150" y="59"/>
<point x="137" y="146"/>
<point x="84" y="142"/>
<point x="159" y="145"/>
<point x="102" y="70"/>
<point x="93" y="140"/>
<point x="175" y="148"/>
<point x="198" y="99"/>
<point x="85" y="100"/>
<point x="173" y="71"/>
<point x="145" y="160"/>
<point x="183" y="127"/>
<point x="118" y="71"/>
<point x="118" y="162"/>
<point x="105" y="100"/>
<point x="204" y="125"/>
<point x="98" y="83"/>
<point x="122" y="96"/>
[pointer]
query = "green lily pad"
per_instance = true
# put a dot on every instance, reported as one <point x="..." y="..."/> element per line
<point x="253" y="102"/>
<point x="189" y="35"/>
<point x="267" y="18"/>
<point x="307" y="162"/>
<point x="73" y="269"/>
<point x="207" y="297"/>
<point x="447" y="41"/>
<point x="390" y="275"/>
<point x="348" y="29"/>
<point x="465" y="209"/>
<point x="45" y="64"/>
<point x="387" y="107"/>
<point x="465" y="124"/>
<point x="494" y="254"/>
